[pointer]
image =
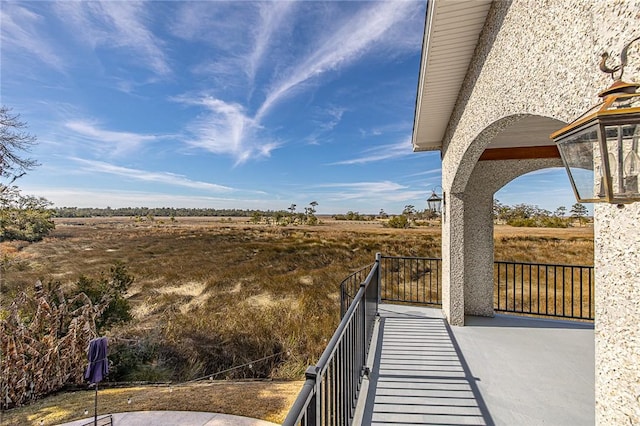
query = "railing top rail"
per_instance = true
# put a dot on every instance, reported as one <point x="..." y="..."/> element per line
<point x="354" y="273"/>
<point x="513" y="262"/>
<point x="497" y="261"/>
<point x="410" y="257"/>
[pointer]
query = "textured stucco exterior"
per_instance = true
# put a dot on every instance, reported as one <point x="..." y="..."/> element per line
<point x="540" y="58"/>
<point x="617" y="331"/>
<point x="486" y="179"/>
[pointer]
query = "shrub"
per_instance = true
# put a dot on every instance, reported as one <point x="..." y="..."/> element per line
<point x="522" y="222"/>
<point x="400" y="221"/>
<point x="555" y="222"/>
<point x="135" y="360"/>
<point x="110" y="290"/>
<point x="23" y="217"/>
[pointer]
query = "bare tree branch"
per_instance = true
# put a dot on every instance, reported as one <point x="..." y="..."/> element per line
<point x="14" y="144"/>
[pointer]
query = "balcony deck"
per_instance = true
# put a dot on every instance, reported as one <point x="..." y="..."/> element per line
<point x="505" y="370"/>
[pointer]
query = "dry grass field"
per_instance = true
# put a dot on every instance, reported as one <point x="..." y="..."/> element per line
<point x="211" y="294"/>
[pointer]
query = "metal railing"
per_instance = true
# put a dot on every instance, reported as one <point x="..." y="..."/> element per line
<point x="330" y="392"/>
<point x="564" y="291"/>
<point x="350" y="286"/>
<point x="411" y="280"/>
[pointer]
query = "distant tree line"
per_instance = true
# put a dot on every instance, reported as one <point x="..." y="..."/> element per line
<point x="527" y="215"/>
<point x="70" y="212"/>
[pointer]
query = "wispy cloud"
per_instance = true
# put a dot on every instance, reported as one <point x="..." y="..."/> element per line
<point x="224" y="30"/>
<point x="143" y="175"/>
<point x="237" y="127"/>
<point x="120" y="25"/>
<point x="243" y="33"/>
<point x="114" y="142"/>
<point x="226" y="129"/>
<point x="366" y="187"/>
<point x="426" y="172"/>
<point x="345" y="44"/>
<point x="380" y="153"/>
<point x="272" y="16"/>
<point x="335" y="116"/>
<point x="382" y="191"/>
<point x="20" y="33"/>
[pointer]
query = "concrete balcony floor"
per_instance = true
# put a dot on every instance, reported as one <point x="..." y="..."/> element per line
<point x="505" y="370"/>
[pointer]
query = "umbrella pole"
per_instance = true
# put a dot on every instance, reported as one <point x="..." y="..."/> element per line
<point x="95" y="408"/>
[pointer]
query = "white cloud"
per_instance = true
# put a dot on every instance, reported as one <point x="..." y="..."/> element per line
<point x="115" y="24"/>
<point x="250" y="38"/>
<point x="116" y="143"/>
<point x="382" y="191"/>
<point x="241" y="32"/>
<point x="349" y="42"/>
<point x="19" y="33"/>
<point x="367" y="187"/>
<point x="335" y="116"/>
<point x="143" y="175"/>
<point x="380" y="153"/>
<point x="272" y="18"/>
<point x="226" y="129"/>
<point x="426" y="172"/>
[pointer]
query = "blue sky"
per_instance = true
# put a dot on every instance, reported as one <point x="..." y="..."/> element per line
<point x="227" y="104"/>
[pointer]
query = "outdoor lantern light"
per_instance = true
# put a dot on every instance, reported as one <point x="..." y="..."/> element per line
<point x="434" y="201"/>
<point x="600" y="149"/>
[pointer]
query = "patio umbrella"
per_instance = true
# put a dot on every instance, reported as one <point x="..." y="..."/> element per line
<point x="98" y="367"/>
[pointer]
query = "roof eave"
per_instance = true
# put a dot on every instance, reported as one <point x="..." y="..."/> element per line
<point x="428" y="30"/>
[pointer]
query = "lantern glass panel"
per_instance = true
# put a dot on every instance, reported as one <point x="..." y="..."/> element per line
<point x="434" y="203"/>
<point x="624" y="162"/>
<point x="577" y="153"/>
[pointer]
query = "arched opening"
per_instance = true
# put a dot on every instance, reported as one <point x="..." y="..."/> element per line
<point x="505" y="150"/>
<point x="543" y="258"/>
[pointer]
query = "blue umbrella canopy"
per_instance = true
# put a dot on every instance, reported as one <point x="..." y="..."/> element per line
<point x="98" y="366"/>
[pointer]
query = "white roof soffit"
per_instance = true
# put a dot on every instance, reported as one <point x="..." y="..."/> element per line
<point x="452" y="29"/>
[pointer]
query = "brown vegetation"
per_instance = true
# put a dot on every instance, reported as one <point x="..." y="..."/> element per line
<point x="211" y="294"/>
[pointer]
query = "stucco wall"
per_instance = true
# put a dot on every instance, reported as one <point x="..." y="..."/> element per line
<point x="486" y="179"/>
<point x="541" y="57"/>
<point x="542" y="60"/>
<point x="617" y="278"/>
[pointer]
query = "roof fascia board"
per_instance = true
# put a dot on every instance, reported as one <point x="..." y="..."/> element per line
<point x="428" y="30"/>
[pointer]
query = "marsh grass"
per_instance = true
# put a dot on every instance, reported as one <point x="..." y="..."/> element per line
<point x="209" y="295"/>
<point x="215" y="294"/>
